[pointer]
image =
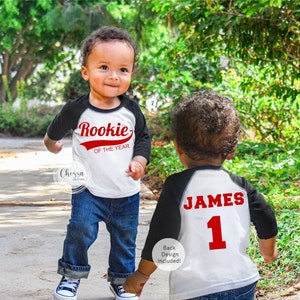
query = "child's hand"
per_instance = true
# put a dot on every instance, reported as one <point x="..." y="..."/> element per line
<point x="268" y="249"/>
<point x="52" y="145"/>
<point x="271" y="258"/>
<point x="135" y="170"/>
<point x="135" y="283"/>
<point x="56" y="148"/>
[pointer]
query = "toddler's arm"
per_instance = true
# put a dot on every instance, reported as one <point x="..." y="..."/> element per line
<point x="268" y="249"/>
<point x="52" y="145"/>
<point x="135" y="282"/>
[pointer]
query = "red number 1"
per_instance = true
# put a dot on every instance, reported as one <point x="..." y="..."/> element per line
<point x="215" y="224"/>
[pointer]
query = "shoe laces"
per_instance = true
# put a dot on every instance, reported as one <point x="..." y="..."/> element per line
<point x="120" y="289"/>
<point x="70" y="283"/>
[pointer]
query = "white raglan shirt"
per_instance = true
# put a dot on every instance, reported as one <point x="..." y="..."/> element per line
<point x="104" y="141"/>
<point x="209" y="211"/>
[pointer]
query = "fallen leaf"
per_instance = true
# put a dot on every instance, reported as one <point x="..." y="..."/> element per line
<point x="297" y="286"/>
<point x="287" y="293"/>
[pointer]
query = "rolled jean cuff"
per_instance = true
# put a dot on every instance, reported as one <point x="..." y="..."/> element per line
<point x="117" y="278"/>
<point x="71" y="271"/>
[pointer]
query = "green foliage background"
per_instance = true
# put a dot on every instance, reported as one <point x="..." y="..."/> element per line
<point x="248" y="50"/>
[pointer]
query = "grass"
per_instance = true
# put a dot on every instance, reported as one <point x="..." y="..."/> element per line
<point x="275" y="171"/>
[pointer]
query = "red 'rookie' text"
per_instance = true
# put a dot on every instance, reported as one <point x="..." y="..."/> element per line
<point x="108" y="130"/>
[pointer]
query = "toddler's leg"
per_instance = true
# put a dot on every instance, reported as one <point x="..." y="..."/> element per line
<point x="82" y="231"/>
<point x="122" y="227"/>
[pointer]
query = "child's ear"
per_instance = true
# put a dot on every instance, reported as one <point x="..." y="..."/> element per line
<point x="84" y="73"/>
<point x="177" y="148"/>
<point x="231" y="154"/>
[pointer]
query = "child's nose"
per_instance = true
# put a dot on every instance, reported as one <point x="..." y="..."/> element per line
<point x="113" y="75"/>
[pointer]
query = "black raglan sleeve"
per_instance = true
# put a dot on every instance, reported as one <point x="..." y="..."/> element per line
<point x="261" y="214"/>
<point x="67" y="118"/>
<point x="142" y="144"/>
<point x="166" y="220"/>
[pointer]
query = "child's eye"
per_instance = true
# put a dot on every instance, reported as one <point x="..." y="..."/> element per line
<point x="104" y="67"/>
<point x="124" y="70"/>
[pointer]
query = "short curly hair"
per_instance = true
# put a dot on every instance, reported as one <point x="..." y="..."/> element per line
<point x="206" y="125"/>
<point x="106" y="34"/>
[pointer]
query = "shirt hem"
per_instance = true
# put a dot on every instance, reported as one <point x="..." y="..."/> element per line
<point x="113" y="195"/>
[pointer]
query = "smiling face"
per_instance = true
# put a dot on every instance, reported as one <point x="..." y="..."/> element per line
<point x="109" y="70"/>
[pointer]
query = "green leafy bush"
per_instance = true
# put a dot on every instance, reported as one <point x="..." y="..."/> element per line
<point x="164" y="161"/>
<point x="76" y="86"/>
<point x="273" y="168"/>
<point x="31" y="122"/>
<point x="268" y="112"/>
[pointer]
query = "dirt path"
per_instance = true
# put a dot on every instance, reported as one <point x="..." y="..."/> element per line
<point x="34" y="212"/>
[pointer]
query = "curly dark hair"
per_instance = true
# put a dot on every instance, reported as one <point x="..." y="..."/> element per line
<point x="206" y="125"/>
<point x="105" y="34"/>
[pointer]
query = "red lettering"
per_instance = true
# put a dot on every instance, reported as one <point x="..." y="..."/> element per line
<point x="124" y="131"/>
<point x="101" y="131"/>
<point x="93" y="131"/>
<point x="109" y="130"/>
<point x="84" y="126"/>
<point x="212" y="201"/>
<point x="239" y="198"/>
<point x="200" y="202"/>
<point x="227" y="199"/>
<point x="189" y="203"/>
<point x="106" y="143"/>
<point x="217" y="243"/>
<point x="218" y="200"/>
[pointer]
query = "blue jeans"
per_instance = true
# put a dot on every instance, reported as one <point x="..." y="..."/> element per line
<point x="121" y="219"/>
<point x="243" y="293"/>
